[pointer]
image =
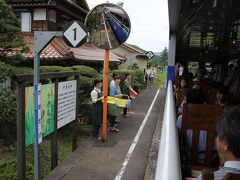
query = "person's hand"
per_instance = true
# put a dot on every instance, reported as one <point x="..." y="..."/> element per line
<point x="119" y="95"/>
<point x="101" y="98"/>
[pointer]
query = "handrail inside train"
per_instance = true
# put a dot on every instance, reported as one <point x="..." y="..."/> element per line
<point x="168" y="162"/>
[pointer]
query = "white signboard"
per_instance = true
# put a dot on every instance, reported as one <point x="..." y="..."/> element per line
<point x="66" y="102"/>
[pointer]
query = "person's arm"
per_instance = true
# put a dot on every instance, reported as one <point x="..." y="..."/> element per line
<point x="132" y="90"/>
<point x="119" y="96"/>
<point x="129" y="87"/>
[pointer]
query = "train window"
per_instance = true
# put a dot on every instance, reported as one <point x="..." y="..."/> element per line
<point x="108" y="25"/>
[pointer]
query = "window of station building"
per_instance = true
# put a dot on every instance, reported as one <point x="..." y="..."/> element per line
<point x="52" y="16"/>
<point x="26" y="21"/>
<point x="40" y="14"/>
<point x="62" y="20"/>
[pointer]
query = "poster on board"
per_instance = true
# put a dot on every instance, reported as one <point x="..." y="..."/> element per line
<point x="47" y="109"/>
<point x="67" y="92"/>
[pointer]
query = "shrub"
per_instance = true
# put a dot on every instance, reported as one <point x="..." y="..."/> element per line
<point x="67" y="69"/>
<point x="5" y="71"/>
<point x="23" y="70"/>
<point x="45" y="69"/>
<point x="86" y="84"/>
<point x="8" y="108"/>
<point x="8" y="170"/>
<point x="86" y="71"/>
<point x="137" y="78"/>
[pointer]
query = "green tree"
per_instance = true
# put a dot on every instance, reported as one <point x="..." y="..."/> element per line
<point x="10" y="37"/>
<point x="164" y="55"/>
<point x="10" y="34"/>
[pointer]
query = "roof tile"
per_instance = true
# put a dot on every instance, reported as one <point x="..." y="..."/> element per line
<point x="58" y="50"/>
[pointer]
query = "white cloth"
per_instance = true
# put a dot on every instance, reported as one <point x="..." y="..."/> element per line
<point x="180" y="71"/>
<point x="94" y="94"/>
<point x="232" y="164"/>
<point x="229" y="167"/>
<point x="112" y="83"/>
<point x="152" y="73"/>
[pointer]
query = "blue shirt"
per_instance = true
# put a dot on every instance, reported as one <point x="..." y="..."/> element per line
<point x="114" y="89"/>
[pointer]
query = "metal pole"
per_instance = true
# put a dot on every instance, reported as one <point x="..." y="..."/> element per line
<point x="36" y="143"/>
<point x="105" y="89"/>
<point x="41" y="40"/>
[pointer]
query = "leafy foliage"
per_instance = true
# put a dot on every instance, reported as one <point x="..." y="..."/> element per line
<point x="161" y="80"/>
<point x="86" y="71"/>
<point x="8" y="170"/>
<point x="45" y="69"/>
<point x="137" y="78"/>
<point x="160" y="60"/>
<point x="22" y="70"/>
<point x="9" y="31"/>
<point x="86" y="83"/>
<point x="8" y="108"/>
<point x="5" y="71"/>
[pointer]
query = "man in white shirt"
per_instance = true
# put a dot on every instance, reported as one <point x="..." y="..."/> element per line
<point x="228" y="143"/>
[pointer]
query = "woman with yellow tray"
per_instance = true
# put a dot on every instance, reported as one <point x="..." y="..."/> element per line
<point x="113" y="110"/>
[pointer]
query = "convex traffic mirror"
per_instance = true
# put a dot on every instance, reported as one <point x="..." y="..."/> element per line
<point x="108" y="26"/>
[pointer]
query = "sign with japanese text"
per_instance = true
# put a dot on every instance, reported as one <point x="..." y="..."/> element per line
<point x="67" y="92"/>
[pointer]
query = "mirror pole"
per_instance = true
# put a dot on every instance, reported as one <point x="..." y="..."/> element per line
<point x="105" y="90"/>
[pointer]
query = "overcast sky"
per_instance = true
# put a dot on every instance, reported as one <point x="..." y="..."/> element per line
<point x="149" y="19"/>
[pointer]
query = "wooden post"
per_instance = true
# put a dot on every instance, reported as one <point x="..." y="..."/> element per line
<point x="21" y="157"/>
<point x="54" y="144"/>
<point x="74" y="123"/>
<point x="105" y="89"/>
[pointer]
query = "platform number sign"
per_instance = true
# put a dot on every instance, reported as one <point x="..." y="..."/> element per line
<point x="75" y="34"/>
<point x="150" y="54"/>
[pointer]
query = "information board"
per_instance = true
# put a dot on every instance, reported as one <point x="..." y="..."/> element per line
<point x="66" y="102"/>
<point x="46" y="113"/>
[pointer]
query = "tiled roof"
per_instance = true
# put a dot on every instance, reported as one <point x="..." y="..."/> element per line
<point x="124" y="58"/>
<point x="30" y="4"/>
<point x="88" y="52"/>
<point x="58" y="50"/>
<point x="131" y="49"/>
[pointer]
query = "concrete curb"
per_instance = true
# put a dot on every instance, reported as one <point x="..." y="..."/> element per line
<point x="153" y="154"/>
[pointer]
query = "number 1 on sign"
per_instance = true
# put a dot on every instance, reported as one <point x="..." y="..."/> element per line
<point x="75" y="34"/>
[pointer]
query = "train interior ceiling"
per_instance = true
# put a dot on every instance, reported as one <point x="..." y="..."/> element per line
<point x="208" y="31"/>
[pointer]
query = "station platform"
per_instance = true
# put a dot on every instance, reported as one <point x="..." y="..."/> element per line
<point x="128" y="154"/>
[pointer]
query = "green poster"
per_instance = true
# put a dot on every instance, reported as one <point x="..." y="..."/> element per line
<point x="47" y="104"/>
